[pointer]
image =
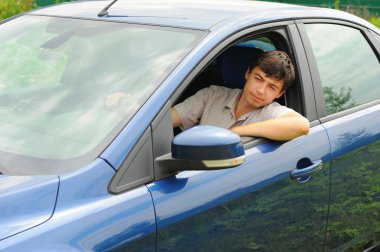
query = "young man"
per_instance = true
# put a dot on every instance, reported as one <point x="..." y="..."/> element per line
<point x="251" y="111"/>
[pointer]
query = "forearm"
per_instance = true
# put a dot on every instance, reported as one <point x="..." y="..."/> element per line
<point x="175" y="118"/>
<point x="282" y="129"/>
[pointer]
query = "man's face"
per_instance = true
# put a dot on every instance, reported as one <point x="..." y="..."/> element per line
<point x="259" y="89"/>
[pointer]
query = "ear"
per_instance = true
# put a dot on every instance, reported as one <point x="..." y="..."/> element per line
<point x="247" y="73"/>
<point x="280" y="94"/>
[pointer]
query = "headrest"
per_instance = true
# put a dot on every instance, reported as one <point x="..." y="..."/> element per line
<point x="235" y="62"/>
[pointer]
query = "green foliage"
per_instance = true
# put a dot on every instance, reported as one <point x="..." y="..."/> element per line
<point x="10" y="8"/>
<point x="271" y="218"/>
<point x="354" y="210"/>
<point x="336" y="102"/>
<point x="336" y="4"/>
<point x="375" y="21"/>
<point x="19" y="56"/>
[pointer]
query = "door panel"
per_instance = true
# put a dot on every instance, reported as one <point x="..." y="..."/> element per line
<point x="256" y="206"/>
<point x="350" y="93"/>
<point x="355" y="184"/>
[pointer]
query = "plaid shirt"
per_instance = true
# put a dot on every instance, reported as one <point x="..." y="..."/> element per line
<point x="215" y="105"/>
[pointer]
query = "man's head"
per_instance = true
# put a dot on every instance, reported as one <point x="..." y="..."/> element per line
<point x="267" y="79"/>
<point x="276" y="64"/>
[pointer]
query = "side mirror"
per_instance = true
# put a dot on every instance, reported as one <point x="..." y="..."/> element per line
<point x="201" y="148"/>
<point x="215" y="147"/>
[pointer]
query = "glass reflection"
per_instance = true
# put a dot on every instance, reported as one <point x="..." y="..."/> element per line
<point x="347" y="65"/>
<point x="354" y="218"/>
<point x="56" y="74"/>
<point x="283" y="216"/>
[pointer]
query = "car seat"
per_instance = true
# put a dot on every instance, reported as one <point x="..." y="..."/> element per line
<point x="235" y="62"/>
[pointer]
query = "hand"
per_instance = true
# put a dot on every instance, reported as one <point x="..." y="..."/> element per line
<point x="113" y="100"/>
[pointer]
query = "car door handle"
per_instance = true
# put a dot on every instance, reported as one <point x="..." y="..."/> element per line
<point x="315" y="166"/>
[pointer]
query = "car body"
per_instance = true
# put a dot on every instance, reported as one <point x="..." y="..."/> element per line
<point x="79" y="176"/>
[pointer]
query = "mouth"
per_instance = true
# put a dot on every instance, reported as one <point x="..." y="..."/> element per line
<point x="257" y="97"/>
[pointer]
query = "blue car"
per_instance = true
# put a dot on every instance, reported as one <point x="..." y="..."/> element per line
<point x="79" y="175"/>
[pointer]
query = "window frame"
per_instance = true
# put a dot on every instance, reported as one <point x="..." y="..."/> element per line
<point x="375" y="41"/>
<point x="317" y="83"/>
<point x="251" y="32"/>
<point x="289" y="33"/>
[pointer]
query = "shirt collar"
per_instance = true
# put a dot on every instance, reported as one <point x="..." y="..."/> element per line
<point x="232" y="100"/>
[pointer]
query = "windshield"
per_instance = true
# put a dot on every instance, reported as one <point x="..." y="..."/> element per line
<point x="56" y="74"/>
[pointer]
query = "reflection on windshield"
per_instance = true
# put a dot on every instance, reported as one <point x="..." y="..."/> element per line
<point x="57" y="73"/>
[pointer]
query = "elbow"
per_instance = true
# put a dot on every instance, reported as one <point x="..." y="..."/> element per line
<point x="301" y="128"/>
<point x="304" y="131"/>
<point x="304" y="127"/>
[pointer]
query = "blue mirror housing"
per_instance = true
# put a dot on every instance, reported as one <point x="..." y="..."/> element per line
<point x="201" y="148"/>
<point x="216" y="147"/>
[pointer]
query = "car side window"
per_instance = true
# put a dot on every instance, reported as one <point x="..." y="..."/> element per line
<point x="347" y="65"/>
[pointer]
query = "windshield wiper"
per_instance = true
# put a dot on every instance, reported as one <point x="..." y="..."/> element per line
<point x="104" y="12"/>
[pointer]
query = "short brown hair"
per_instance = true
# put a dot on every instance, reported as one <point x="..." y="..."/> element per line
<point x="276" y="64"/>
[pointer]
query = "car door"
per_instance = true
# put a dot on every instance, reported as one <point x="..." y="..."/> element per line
<point x="347" y="66"/>
<point x="260" y="205"/>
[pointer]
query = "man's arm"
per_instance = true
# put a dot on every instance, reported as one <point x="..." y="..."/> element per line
<point x="284" y="128"/>
<point x="188" y="113"/>
<point x="175" y="118"/>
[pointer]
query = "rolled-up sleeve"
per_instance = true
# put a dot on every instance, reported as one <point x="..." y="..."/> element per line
<point x="191" y="110"/>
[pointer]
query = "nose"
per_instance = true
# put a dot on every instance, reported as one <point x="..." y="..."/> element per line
<point x="260" y="89"/>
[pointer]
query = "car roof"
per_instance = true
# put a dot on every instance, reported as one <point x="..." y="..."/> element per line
<point x="194" y="14"/>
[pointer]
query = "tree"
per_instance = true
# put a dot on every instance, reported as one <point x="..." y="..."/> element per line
<point x="11" y="7"/>
<point x="337" y="102"/>
<point x="336" y="4"/>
